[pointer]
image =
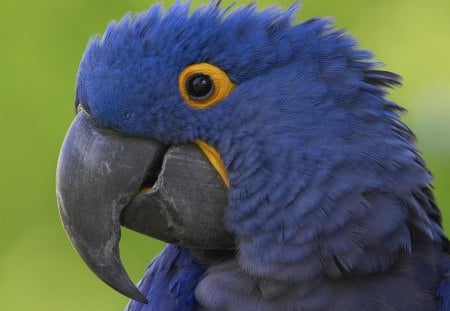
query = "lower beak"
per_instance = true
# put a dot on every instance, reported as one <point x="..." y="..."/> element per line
<point x="102" y="181"/>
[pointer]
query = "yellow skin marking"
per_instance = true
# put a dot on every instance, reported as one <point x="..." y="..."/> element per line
<point x="222" y="85"/>
<point x="222" y="88"/>
<point x="216" y="160"/>
<point x="145" y="190"/>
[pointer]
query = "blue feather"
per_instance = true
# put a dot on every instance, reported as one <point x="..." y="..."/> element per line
<point x="169" y="282"/>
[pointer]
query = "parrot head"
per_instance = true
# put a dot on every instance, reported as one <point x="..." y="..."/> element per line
<point x="238" y="130"/>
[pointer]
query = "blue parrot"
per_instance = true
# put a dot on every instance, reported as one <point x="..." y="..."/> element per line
<point x="264" y="152"/>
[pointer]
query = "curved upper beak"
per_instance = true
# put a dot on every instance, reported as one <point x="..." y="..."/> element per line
<point x="103" y="180"/>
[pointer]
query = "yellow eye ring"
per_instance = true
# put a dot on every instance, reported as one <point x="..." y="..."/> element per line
<point x="203" y="85"/>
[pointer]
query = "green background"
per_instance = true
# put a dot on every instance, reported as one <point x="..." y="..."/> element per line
<point x="41" y="43"/>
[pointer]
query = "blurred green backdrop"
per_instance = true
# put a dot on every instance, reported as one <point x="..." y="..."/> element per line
<point x="41" y="43"/>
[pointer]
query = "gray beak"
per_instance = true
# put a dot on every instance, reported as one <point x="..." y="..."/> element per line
<point x="171" y="193"/>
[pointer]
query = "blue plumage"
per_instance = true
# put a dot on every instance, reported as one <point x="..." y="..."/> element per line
<point x="170" y="282"/>
<point x="330" y="200"/>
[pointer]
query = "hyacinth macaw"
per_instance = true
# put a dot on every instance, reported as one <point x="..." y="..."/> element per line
<point x="264" y="152"/>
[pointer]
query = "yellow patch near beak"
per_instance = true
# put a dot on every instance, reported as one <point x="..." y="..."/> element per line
<point x="214" y="157"/>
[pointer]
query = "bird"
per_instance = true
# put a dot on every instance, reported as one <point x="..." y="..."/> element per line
<point x="265" y="152"/>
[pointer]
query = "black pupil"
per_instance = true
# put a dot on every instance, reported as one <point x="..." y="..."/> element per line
<point x="199" y="86"/>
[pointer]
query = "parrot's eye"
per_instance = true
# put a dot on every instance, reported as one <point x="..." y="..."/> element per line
<point x="199" y="86"/>
<point x="203" y="85"/>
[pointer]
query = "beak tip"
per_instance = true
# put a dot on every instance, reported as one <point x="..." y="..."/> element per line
<point x="137" y="295"/>
<point x="115" y="276"/>
<point x="142" y="299"/>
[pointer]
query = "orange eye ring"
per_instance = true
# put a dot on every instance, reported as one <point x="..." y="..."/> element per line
<point x="204" y="85"/>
